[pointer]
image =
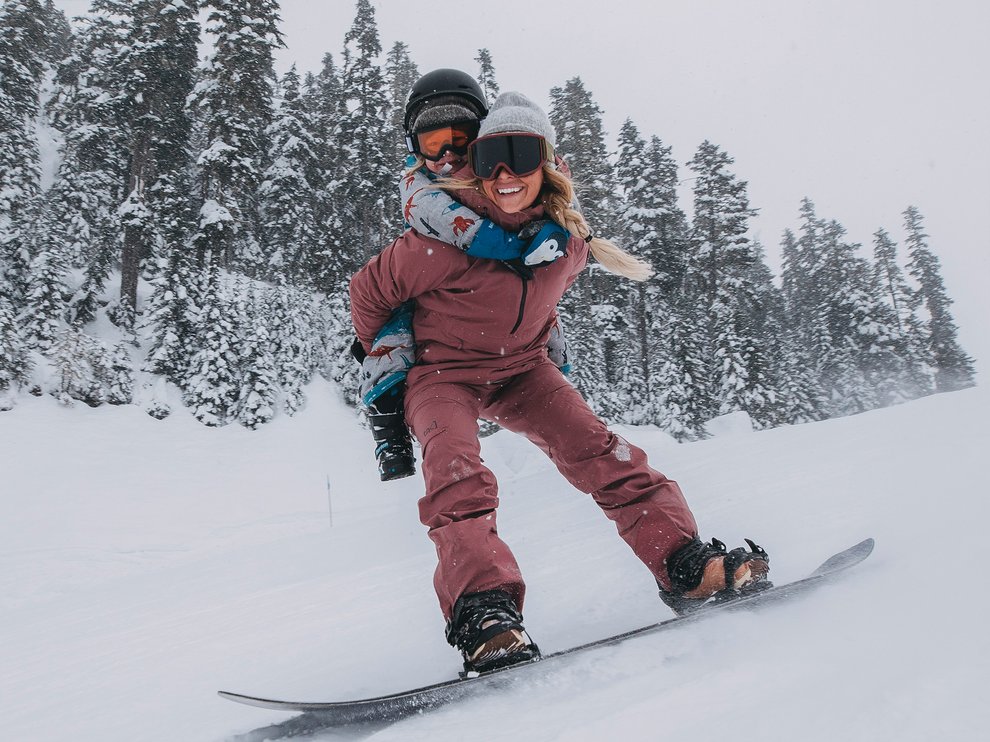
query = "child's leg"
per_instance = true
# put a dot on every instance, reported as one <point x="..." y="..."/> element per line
<point x="382" y="382"/>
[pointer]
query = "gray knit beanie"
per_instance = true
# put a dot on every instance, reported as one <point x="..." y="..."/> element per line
<point x="514" y="112"/>
<point x="442" y="110"/>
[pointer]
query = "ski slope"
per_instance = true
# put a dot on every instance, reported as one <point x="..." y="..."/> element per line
<point x="146" y="564"/>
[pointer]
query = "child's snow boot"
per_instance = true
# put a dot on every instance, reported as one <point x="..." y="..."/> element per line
<point x="700" y="572"/>
<point x="487" y="628"/>
<point x="393" y="445"/>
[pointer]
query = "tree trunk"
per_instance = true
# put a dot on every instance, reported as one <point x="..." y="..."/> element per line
<point x="133" y="248"/>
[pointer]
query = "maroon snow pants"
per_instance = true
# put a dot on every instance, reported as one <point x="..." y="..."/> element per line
<point x="462" y="495"/>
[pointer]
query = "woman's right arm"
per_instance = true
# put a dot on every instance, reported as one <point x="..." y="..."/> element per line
<point x="408" y="267"/>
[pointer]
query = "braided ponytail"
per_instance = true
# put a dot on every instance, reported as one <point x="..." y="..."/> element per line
<point x="558" y="199"/>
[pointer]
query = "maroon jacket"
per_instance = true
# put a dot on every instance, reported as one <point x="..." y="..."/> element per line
<point x="476" y="320"/>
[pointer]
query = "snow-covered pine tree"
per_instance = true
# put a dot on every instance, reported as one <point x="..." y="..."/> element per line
<point x="953" y="367"/>
<point x="88" y="370"/>
<point x="326" y="106"/>
<point x="26" y="38"/>
<point x="596" y="294"/>
<point x="591" y="336"/>
<point x="73" y="375"/>
<point x="290" y="190"/>
<point x="801" y="398"/>
<point x="161" y="59"/>
<point x="235" y="97"/>
<point x="44" y="312"/>
<point x="400" y="75"/>
<point x="577" y="120"/>
<point x="258" y="397"/>
<point x="792" y="279"/>
<point x="610" y="398"/>
<point x="15" y="360"/>
<point x="668" y="255"/>
<point x="771" y="327"/>
<point x="486" y="75"/>
<point x="683" y="377"/>
<point x="59" y="32"/>
<point x="833" y="311"/>
<point x="639" y="233"/>
<point x="214" y="381"/>
<point x="585" y="343"/>
<point x="743" y="377"/>
<point x="323" y="98"/>
<point x="119" y="376"/>
<point x="798" y="395"/>
<point x="909" y="343"/>
<point x="90" y="108"/>
<point x="323" y="95"/>
<point x="290" y="342"/>
<point x="370" y="169"/>
<point x="719" y="279"/>
<point x="172" y="311"/>
<point x="653" y="226"/>
<point x="860" y="361"/>
<point x="339" y="365"/>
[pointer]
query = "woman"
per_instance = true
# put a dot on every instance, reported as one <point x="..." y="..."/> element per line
<point x="443" y="112"/>
<point x="481" y="330"/>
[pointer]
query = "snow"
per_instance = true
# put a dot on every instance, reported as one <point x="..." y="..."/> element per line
<point x="146" y="564"/>
<point x="213" y="212"/>
<point x="49" y="138"/>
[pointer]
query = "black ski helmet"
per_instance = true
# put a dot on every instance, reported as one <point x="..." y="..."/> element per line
<point x="444" y="81"/>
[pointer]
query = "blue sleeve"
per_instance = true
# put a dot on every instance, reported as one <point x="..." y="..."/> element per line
<point x="493" y="242"/>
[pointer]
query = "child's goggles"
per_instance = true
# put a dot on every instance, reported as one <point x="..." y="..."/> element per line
<point x="520" y="154"/>
<point x="435" y="143"/>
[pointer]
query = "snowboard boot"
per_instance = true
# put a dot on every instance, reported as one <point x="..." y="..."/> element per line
<point x="393" y="445"/>
<point x="701" y="572"/>
<point x="487" y="628"/>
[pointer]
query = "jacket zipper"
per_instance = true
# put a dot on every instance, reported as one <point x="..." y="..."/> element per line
<point x="524" y="273"/>
<point x="522" y="304"/>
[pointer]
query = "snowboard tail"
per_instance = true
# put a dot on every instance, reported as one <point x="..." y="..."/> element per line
<point x="399" y="705"/>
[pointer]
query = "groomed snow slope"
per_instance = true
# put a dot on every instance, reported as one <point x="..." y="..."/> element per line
<point x="146" y="564"/>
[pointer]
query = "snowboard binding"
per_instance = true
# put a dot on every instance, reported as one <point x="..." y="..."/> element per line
<point x="488" y="629"/>
<point x="688" y="565"/>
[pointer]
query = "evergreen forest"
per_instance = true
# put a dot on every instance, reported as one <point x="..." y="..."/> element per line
<point x="181" y="231"/>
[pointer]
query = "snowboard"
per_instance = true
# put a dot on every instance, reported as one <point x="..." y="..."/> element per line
<point x="399" y="705"/>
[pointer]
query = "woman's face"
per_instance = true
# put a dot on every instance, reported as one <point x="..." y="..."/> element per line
<point x="510" y="192"/>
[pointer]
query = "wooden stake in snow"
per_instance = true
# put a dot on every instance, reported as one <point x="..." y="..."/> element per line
<point x="329" y="501"/>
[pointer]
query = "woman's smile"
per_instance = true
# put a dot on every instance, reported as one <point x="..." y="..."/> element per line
<point x="510" y="192"/>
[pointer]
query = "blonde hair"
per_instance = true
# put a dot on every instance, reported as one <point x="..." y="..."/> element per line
<point x="558" y="199"/>
<point x="558" y="195"/>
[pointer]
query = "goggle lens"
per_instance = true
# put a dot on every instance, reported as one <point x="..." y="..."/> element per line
<point x="520" y="154"/>
<point x="434" y="143"/>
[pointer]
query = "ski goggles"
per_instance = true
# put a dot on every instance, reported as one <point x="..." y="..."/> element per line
<point x="436" y="142"/>
<point x="520" y="154"/>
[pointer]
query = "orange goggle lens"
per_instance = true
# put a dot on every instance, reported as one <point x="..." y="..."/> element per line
<point x="434" y="143"/>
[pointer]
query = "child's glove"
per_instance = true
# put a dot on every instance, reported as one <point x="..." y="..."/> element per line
<point x="538" y="243"/>
<point x="545" y="242"/>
